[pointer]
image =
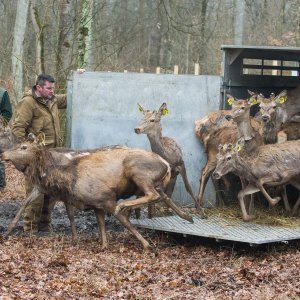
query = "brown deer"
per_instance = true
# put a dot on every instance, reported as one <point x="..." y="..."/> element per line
<point x="271" y="130"/>
<point x="98" y="180"/>
<point x="215" y="130"/>
<point x="277" y="121"/>
<point x="212" y="130"/>
<point x="164" y="146"/>
<point x="270" y="165"/>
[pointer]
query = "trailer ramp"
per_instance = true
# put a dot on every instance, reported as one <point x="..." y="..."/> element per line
<point x="219" y="228"/>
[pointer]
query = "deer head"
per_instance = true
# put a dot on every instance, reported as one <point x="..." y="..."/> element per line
<point x="150" y="124"/>
<point x="268" y="106"/>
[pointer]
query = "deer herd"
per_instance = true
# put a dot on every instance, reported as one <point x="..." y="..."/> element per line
<point x="263" y="151"/>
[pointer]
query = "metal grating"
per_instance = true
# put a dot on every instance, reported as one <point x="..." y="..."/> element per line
<point x="221" y="229"/>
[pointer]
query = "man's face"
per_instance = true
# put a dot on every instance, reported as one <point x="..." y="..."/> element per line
<point x="45" y="91"/>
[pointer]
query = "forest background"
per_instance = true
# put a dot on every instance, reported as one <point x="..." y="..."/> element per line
<point x="58" y="36"/>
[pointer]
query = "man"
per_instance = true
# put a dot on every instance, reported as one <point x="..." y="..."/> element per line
<point x="38" y="112"/>
<point x="5" y="113"/>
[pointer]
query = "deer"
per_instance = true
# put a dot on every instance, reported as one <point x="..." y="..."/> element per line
<point x="216" y="128"/>
<point x="270" y="165"/>
<point x="61" y="156"/>
<point x="278" y="123"/>
<point x="98" y="180"/>
<point x="252" y="133"/>
<point x="164" y="146"/>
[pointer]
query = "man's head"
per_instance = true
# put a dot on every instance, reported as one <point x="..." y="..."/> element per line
<point x="44" y="86"/>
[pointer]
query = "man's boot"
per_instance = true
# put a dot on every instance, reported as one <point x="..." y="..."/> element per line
<point x="2" y="176"/>
<point x="32" y="215"/>
<point x="45" y="222"/>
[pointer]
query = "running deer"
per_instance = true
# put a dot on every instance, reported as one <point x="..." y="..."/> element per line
<point x="251" y="132"/>
<point x="98" y="180"/>
<point x="164" y="146"/>
<point x="215" y="129"/>
<point x="269" y="165"/>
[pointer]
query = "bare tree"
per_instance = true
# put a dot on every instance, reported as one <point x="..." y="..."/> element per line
<point x="239" y="21"/>
<point x="39" y="37"/>
<point x="17" y="50"/>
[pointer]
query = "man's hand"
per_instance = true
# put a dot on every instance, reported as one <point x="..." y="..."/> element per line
<point x="80" y="71"/>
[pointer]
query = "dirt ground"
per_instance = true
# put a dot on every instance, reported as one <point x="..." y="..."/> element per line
<point x="55" y="267"/>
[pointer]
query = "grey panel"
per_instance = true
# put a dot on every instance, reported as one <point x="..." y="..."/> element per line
<point x="221" y="229"/>
<point x="102" y="110"/>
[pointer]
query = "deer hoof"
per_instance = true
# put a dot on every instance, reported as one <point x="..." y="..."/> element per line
<point x="249" y="218"/>
<point x="275" y="200"/>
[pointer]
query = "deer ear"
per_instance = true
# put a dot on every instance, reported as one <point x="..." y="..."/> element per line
<point x="140" y="108"/>
<point x="41" y="138"/>
<point x="260" y="98"/>
<point x="230" y="99"/>
<point x="281" y="97"/>
<point x="253" y="100"/>
<point x="163" y="109"/>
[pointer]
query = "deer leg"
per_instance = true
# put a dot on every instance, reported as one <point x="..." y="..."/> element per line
<point x="295" y="184"/>
<point x="279" y="180"/>
<point x="249" y="199"/>
<point x="35" y="193"/>
<point x="182" y="171"/>
<point x="125" y="222"/>
<point x="171" y="185"/>
<point x="71" y="213"/>
<point x="285" y="199"/>
<point x="250" y="189"/>
<point x="217" y="186"/>
<point x="295" y="207"/>
<point x="177" y="210"/>
<point x="205" y="173"/>
<point x="260" y="183"/>
<point x="151" y="195"/>
<point x="100" y="216"/>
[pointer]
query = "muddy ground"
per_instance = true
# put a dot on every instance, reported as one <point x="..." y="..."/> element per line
<point x="55" y="267"/>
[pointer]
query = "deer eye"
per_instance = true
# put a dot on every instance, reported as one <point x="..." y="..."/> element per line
<point x="152" y="121"/>
<point x="228" y="157"/>
<point x="274" y="106"/>
<point x="24" y="147"/>
<point x="242" y="107"/>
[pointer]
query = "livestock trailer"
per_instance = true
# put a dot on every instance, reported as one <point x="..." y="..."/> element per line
<point x="260" y="69"/>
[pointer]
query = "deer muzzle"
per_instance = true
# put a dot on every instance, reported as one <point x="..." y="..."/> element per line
<point x="137" y="130"/>
<point x="265" y="118"/>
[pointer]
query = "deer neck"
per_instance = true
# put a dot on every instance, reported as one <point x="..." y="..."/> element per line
<point x="156" y="141"/>
<point x="270" y="130"/>
<point x="245" y="128"/>
<point x="243" y="167"/>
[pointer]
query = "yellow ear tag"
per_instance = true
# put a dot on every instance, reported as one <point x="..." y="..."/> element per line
<point x="42" y="139"/>
<point x="165" y="112"/>
<point x="282" y="99"/>
<point x="238" y="148"/>
<point x="230" y="101"/>
<point x="253" y="101"/>
<point x="140" y="109"/>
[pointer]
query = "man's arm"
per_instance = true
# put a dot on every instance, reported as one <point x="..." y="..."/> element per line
<point x="5" y="107"/>
<point x="22" y="119"/>
<point x="61" y="100"/>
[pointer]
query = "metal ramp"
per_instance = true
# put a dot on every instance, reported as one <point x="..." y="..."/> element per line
<point x="221" y="229"/>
